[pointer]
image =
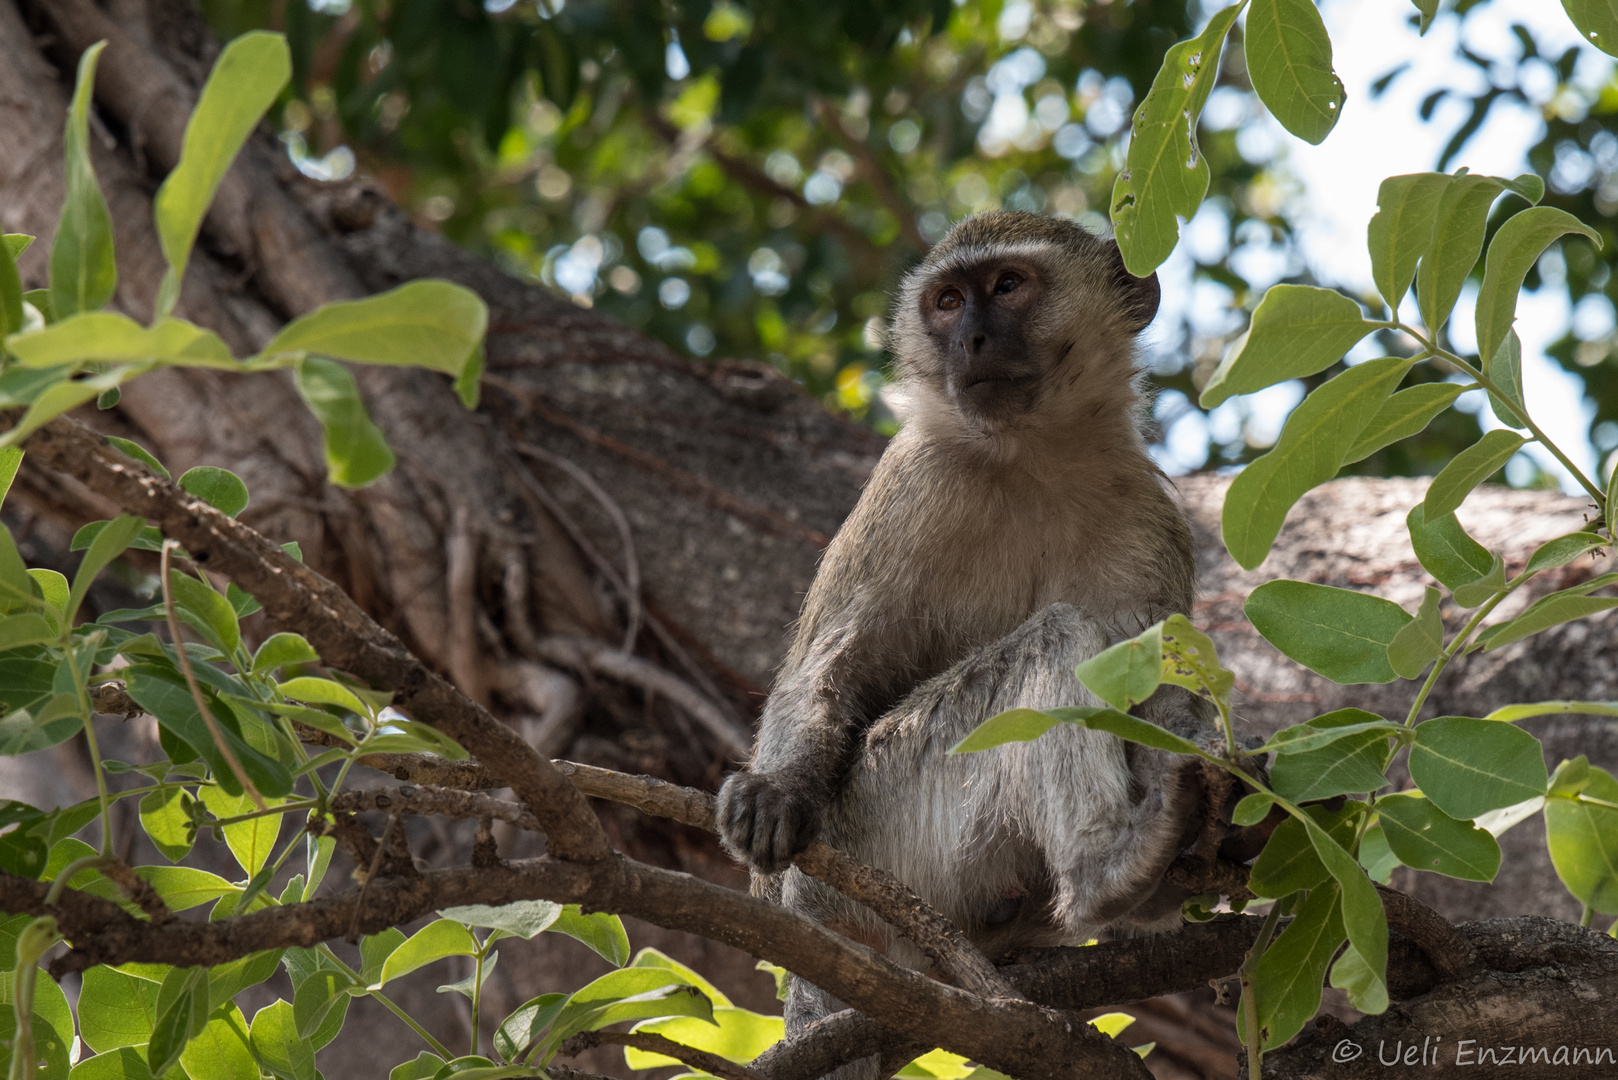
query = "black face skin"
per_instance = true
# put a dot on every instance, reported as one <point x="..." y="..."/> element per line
<point x="976" y="316"/>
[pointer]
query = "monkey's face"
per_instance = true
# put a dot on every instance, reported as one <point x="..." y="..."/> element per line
<point x="978" y="317"/>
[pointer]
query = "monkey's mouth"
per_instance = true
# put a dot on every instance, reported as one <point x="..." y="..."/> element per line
<point x="983" y="387"/>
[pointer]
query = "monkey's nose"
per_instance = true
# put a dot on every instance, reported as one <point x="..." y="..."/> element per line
<point x="977" y="342"/>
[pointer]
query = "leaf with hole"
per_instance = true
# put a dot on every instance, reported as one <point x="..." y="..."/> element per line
<point x="1467" y="767"/>
<point x="1289" y="62"/>
<point x="1597" y="20"/>
<point x="1426" y="838"/>
<point x="1165" y="174"/>
<point x="1191" y="660"/>
<point x="1339" y="633"/>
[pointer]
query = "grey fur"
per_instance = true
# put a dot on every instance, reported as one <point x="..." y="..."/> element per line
<point x="1014" y="527"/>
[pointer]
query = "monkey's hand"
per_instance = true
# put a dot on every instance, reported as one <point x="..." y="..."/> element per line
<point x="764" y="820"/>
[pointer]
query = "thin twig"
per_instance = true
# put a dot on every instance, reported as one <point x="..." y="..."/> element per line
<point x="723" y="1068"/>
<point x="196" y="690"/>
<point x="370" y="876"/>
<point x="626" y="535"/>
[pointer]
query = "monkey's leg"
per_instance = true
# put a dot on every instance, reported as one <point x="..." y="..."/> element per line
<point x="1075" y="811"/>
<point x="806" y="1002"/>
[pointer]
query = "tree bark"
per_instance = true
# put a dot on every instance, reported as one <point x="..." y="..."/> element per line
<point x="669" y="513"/>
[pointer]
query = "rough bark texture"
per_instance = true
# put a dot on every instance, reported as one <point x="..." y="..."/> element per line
<point x="486" y="545"/>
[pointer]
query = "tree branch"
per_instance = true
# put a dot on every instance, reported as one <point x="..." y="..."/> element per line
<point x="295" y="596"/>
<point x="723" y="1068"/>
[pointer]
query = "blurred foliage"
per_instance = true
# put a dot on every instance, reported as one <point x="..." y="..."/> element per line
<point x="749" y="180"/>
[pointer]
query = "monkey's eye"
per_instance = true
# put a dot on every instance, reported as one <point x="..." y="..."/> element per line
<point x="950" y="299"/>
<point x="1008" y="282"/>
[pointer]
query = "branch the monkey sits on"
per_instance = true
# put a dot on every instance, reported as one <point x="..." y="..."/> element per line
<point x="1014" y="527"/>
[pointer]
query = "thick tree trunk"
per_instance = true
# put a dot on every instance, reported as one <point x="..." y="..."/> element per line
<point x="669" y="513"/>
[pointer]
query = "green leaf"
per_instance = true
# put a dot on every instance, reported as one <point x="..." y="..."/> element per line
<point x="1516" y="247"/>
<point x="1367" y="990"/>
<point x="220" y="1050"/>
<point x="1458" y="226"/>
<point x="1289" y="976"/>
<point x="431" y="324"/>
<point x="654" y="959"/>
<point x="83" y="272"/>
<point x="1583" y="840"/>
<point x="166" y="816"/>
<point x="1341" y="634"/>
<point x="1546" y="612"/>
<point x="1420" y="642"/>
<point x="1597" y="20"/>
<point x="1013" y="725"/>
<point x="356" y="451"/>
<point x="316" y="691"/>
<point x="1428" y="9"/>
<point x="28" y="629"/>
<point x="1612" y="503"/>
<point x="1402" y="229"/>
<point x="375" y="950"/>
<point x="435" y="941"/>
<point x="283" y="650"/>
<point x="18" y="590"/>
<point x="1503" y="367"/>
<point x="1253" y="808"/>
<point x="469" y="383"/>
<point x="183" y="887"/>
<point x="182" y="1013"/>
<point x="1363" y="917"/>
<point x="601" y="931"/>
<point x="1426" y="838"/>
<point x="1467" y="470"/>
<point x="163" y="693"/>
<point x="123" y="1063"/>
<point x="1297" y="330"/>
<point x="251" y="841"/>
<point x="275" y="1043"/>
<point x="1477" y="592"/>
<point x="244" y="82"/>
<point x="1128" y="672"/>
<point x="1317" y="437"/>
<point x="1289" y="63"/>
<point x="1350" y="765"/>
<point x="108" y="337"/>
<point x="53" y="588"/>
<point x="1467" y="766"/>
<point x="1375" y="855"/>
<point x="1324" y="730"/>
<point x="10" y="461"/>
<point x="1563" y="550"/>
<point x="1289" y="862"/>
<point x="116" y="1009"/>
<point x="140" y="454"/>
<point x="219" y="488"/>
<point x="402" y="736"/>
<point x="523" y="918"/>
<point x="1445" y="550"/>
<point x="11" y="310"/>
<point x="1128" y="728"/>
<point x="592" y="1008"/>
<point x="25" y="731"/>
<point x="1191" y="660"/>
<point x="50" y="1049"/>
<point x="1166" y="174"/>
<point x="424" y="1066"/>
<point x="525" y="1024"/>
<point x="109" y="543"/>
<point x="213" y="614"/>
<point x="735" y="1034"/>
<point x="319" y="1005"/>
<point x="1512" y="713"/>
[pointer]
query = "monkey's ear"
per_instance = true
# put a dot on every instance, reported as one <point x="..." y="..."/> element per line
<point x="1138" y="296"/>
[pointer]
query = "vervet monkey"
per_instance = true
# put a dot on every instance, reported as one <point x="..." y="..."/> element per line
<point x="1014" y="527"/>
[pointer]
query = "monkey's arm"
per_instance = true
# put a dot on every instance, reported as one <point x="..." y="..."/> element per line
<point x="771" y="811"/>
